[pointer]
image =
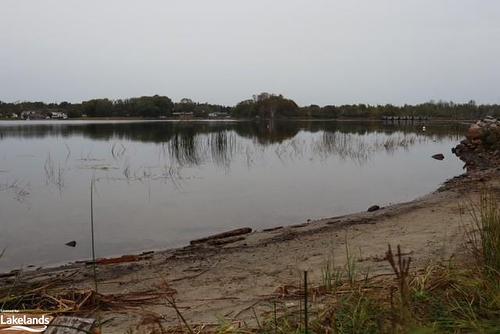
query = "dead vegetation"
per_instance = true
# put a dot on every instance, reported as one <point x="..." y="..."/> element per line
<point x="459" y="296"/>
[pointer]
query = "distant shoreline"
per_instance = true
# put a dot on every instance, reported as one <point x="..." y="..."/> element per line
<point x="434" y="120"/>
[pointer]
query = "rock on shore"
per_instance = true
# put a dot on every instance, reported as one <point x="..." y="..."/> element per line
<point x="481" y="148"/>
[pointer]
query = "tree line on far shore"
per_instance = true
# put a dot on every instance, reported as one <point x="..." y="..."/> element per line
<point x="261" y="106"/>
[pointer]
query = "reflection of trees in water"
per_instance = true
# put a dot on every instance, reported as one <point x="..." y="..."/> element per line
<point x="263" y="132"/>
<point x="194" y="149"/>
<point x="184" y="149"/>
<point x="358" y="147"/>
<point x="222" y="147"/>
<point x="182" y="145"/>
<point x="194" y="143"/>
<point x="344" y="145"/>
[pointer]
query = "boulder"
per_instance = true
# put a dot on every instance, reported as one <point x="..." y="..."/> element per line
<point x="479" y="149"/>
<point x="71" y="243"/>
<point x="476" y="142"/>
<point x="438" y="156"/>
<point x="474" y="132"/>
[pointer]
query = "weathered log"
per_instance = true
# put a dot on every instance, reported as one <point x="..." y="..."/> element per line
<point x="232" y="233"/>
<point x="224" y="241"/>
<point x="373" y="208"/>
<point x="116" y="260"/>
<point x="272" y="229"/>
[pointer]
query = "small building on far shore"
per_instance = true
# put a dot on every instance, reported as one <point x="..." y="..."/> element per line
<point x="32" y="114"/>
<point x="58" y="115"/>
<point x="219" y="115"/>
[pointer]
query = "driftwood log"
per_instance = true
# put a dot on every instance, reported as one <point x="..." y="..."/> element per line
<point x="225" y="241"/>
<point x="232" y="233"/>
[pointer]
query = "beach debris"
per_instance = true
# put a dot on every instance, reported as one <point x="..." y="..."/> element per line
<point x="223" y="235"/>
<point x="225" y="241"/>
<point x="272" y="229"/>
<point x="12" y="273"/>
<point x="373" y="208"/>
<point x="71" y="243"/>
<point x="287" y="290"/>
<point x="299" y="225"/>
<point x="47" y="296"/>
<point x="438" y="156"/>
<point x="121" y="259"/>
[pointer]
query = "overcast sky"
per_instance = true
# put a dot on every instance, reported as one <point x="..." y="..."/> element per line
<point x="223" y="51"/>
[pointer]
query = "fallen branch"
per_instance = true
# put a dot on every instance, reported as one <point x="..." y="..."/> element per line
<point x="232" y="233"/>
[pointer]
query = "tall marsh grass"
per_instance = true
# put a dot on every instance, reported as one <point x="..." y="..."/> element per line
<point x="484" y="236"/>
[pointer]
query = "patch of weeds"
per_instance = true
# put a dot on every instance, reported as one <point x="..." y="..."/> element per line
<point x="356" y="313"/>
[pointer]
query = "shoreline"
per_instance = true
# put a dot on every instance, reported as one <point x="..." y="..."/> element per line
<point x="238" y="276"/>
<point x="58" y="261"/>
<point x="311" y="226"/>
<point x="230" y="279"/>
<point x="139" y="119"/>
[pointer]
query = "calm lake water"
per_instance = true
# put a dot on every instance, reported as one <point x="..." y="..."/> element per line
<point x="162" y="184"/>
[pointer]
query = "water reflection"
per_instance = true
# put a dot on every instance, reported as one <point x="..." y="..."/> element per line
<point x="193" y="143"/>
<point x="181" y="145"/>
<point x="161" y="184"/>
<point x="157" y="132"/>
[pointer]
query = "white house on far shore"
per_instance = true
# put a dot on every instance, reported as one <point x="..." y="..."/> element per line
<point x="58" y="115"/>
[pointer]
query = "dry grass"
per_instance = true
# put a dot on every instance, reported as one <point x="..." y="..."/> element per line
<point x="484" y="236"/>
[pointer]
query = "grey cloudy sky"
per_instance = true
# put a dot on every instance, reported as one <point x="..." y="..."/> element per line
<point x="223" y="51"/>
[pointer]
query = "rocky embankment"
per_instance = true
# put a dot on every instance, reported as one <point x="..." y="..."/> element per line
<point x="480" y="149"/>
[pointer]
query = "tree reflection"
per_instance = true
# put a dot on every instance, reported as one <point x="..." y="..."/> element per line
<point x="194" y="143"/>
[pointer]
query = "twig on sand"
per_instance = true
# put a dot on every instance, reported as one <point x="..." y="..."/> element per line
<point x="247" y="308"/>
<point x="195" y="275"/>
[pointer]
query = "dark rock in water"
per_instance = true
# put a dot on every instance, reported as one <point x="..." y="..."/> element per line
<point x="373" y="208"/>
<point x="71" y="243"/>
<point x="438" y="156"/>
